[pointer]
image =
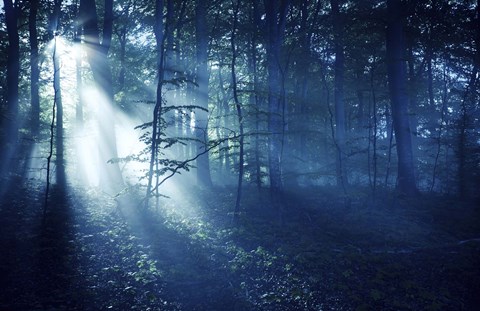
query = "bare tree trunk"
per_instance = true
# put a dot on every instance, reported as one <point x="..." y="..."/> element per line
<point x="341" y="171"/>
<point x="399" y="98"/>
<point x="202" y="77"/>
<point x="413" y="103"/>
<point x="389" y="129"/>
<point x="54" y="137"/>
<point x="375" y="130"/>
<point x="440" y="129"/>
<point x="239" y="111"/>
<point x="157" y="111"/>
<point x="254" y="100"/>
<point x="59" y="148"/>
<point x="276" y="12"/>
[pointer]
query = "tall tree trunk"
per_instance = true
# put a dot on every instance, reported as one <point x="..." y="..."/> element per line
<point x="276" y="12"/>
<point x="59" y="148"/>
<point x="302" y="80"/>
<point x="201" y="116"/>
<point x="159" y="30"/>
<point x="35" y="71"/>
<point x="398" y="96"/>
<point x="440" y="126"/>
<point x="374" y="129"/>
<point x="253" y="98"/>
<point x="340" y="125"/>
<point x="13" y="72"/>
<point x="389" y="129"/>
<point x="122" y="38"/>
<point x="225" y="109"/>
<point x="189" y="94"/>
<point x="413" y="103"/>
<point x="239" y="110"/>
<point x="110" y="175"/>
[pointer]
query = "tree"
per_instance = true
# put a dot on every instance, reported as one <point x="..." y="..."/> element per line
<point x="35" y="71"/>
<point x="341" y="171"/>
<point x="58" y="105"/>
<point x="276" y="14"/>
<point x="238" y="106"/>
<point x="159" y="30"/>
<point x="396" y="69"/>
<point x="201" y="98"/>
<point x="254" y="99"/>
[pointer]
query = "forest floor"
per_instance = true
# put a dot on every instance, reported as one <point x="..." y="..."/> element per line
<point x="95" y="252"/>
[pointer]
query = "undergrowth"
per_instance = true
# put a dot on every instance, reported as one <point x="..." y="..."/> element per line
<point x="95" y="252"/>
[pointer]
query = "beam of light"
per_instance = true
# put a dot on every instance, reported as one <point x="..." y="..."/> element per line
<point x="88" y="139"/>
<point x="87" y="160"/>
<point x="129" y="145"/>
<point x="87" y="150"/>
<point x="35" y="164"/>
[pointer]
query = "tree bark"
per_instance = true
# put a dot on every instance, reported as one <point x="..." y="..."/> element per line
<point x="396" y="70"/>
<point x="339" y="65"/>
<point x="59" y="148"/>
<point x="239" y="111"/>
<point x="254" y="95"/>
<point x="276" y="12"/>
<point x="202" y="77"/>
<point x="159" y="30"/>
<point x="34" y="71"/>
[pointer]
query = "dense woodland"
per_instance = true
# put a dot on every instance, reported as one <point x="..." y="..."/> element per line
<point x="239" y="155"/>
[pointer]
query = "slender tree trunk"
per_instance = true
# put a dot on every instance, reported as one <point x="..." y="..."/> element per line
<point x="50" y="154"/>
<point x="59" y="148"/>
<point x="302" y="82"/>
<point x="157" y="111"/>
<point x="413" y="103"/>
<point x="375" y="132"/>
<point x="239" y="111"/>
<point x="440" y="128"/>
<point x="35" y="71"/>
<point x="169" y="71"/>
<point x="254" y="100"/>
<point x="189" y="92"/>
<point x="361" y="125"/>
<point x="224" y="108"/>
<point x="276" y="12"/>
<point x="202" y="77"/>
<point x="122" y="38"/>
<point x="389" y="129"/>
<point x="398" y="97"/>
<point x="340" y="125"/>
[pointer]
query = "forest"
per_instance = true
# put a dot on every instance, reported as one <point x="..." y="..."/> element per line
<point x="239" y="155"/>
